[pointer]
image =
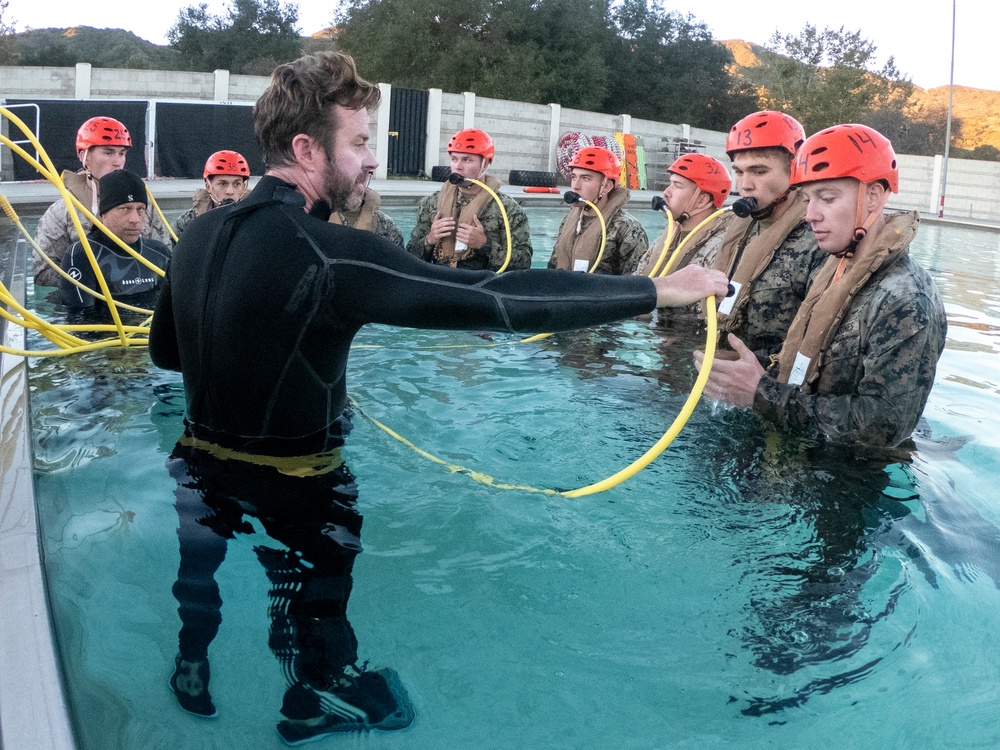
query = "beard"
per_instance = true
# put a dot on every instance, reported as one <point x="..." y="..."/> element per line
<point x="342" y="192"/>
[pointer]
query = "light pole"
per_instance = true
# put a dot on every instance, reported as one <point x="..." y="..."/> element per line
<point x="947" y="131"/>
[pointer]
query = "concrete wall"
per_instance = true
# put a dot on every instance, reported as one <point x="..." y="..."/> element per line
<point x="525" y="134"/>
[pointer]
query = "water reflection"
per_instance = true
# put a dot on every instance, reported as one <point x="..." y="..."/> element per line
<point x="308" y="511"/>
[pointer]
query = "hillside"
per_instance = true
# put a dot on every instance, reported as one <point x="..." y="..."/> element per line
<point x="978" y="109"/>
<point x="113" y="48"/>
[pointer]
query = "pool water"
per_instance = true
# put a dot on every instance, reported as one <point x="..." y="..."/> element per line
<point x="743" y="591"/>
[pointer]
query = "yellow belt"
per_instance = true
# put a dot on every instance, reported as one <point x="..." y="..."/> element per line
<point x="312" y="465"/>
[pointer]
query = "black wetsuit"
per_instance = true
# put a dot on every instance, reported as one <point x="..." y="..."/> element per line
<point x="262" y="301"/>
<point x="259" y="309"/>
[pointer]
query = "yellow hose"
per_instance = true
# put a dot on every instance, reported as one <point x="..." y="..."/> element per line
<point x="615" y="479"/>
<point x="666" y="243"/>
<point x="506" y="221"/>
<point x="156" y="207"/>
<point x="597" y="261"/>
<point x="683" y="243"/>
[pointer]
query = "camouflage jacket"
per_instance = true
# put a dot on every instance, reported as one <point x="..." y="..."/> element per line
<point x="55" y="232"/>
<point x="776" y="295"/>
<point x="386" y="229"/>
<point x="879" y="368"/>
<point x="201" y="203"/>
<point x="492" y="255"/>
<point x="626" y="245"/>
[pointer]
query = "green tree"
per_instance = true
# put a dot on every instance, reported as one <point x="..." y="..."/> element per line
<point x="828" y="77"/>
<point x="529" y="50"/>
<point x="665" y="66"/>
<point x="250" y="37"/>
<point x="8" y="42"/>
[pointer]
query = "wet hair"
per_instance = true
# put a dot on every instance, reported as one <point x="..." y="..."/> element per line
<point x="300" y="98"/>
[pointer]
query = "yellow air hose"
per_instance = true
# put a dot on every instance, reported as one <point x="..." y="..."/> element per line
<point x="666" y="243"/>
<point x="615" y="479"/>
<point x="572" y="197"/>
<point x="683" y="243"/>
<point x="503" y="213"/>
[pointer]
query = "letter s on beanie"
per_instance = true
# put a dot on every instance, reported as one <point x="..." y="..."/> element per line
<point x="121" y="186"/>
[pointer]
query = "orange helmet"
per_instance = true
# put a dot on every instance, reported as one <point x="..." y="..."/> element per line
<point x="597" y="159"/>
<point x="856" y="151"/>
<point x="472" y="141"/>
<point x="707" y="173"/>
<point x="102" y="131"/>
<point x="228" y="163"/>
<point x="765" y="129"/>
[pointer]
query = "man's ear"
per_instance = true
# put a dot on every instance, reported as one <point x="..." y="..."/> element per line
<point x="308" y="153"/>
<point x="875" y="196"/>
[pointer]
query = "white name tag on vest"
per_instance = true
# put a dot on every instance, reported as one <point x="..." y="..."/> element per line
<point x="581" y="265"/>
<point x="726" y="306"/>
<point x="798" y="374"/>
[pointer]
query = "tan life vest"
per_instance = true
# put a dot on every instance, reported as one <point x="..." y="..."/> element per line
<point x="818" y="319"/>
<point x="444" y="251"/>
<point x="691" y="247"/>
<point x="744" y="267"/>
<point x="85" y="190"/>
<point x="574" y="245"/>
<point x="366" y="217"/>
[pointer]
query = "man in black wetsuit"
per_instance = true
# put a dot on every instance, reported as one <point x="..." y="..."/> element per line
<point x="122" y="210"/>
<point x="261" y="303"/>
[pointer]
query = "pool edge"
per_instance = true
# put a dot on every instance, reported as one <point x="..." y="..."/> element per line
<point x="33" y="709"/>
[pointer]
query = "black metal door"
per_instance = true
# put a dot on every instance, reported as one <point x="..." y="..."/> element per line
<point x="407" y="131"/>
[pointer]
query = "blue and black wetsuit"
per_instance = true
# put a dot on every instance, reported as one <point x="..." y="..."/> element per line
<point x="128" y="280"/>
<point x="262" y="301"/>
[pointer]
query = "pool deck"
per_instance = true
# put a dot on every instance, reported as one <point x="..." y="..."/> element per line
<point x="33" y="712"/>
<point x="33" y="709"/>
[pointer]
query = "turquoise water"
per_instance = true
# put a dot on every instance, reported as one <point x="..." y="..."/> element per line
<point x="743" y="591"/>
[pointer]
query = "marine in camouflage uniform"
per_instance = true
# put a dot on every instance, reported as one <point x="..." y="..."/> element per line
<point x="626" y="245"/>
<point x="369" y="217"/>
<point x="700" y="251"/>
<point x="774" y="297"/>
<point x="876" y="374"/>
<point x="492" y="255"/>
<point x="56" y="233"/>
<point x="202" y="203"/>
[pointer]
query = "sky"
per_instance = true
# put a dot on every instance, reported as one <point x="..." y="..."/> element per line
<point x="920" y="39"/>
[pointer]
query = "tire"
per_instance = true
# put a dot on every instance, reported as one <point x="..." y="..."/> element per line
<point x="533" y="179"/>
<point x="440" y="174"/>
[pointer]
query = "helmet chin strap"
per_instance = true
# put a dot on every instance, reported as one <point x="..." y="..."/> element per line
<point x="860" y="231"/>
<point x="763" y="213"/>
<point x="686" y="213"/>
<point x="861" y="226"/>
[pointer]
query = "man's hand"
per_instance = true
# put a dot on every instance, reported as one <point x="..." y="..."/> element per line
<point x="688" y="285"/>
<point x="732" y="380"/>
<point x="472" y="234"/>
<point x="441" y="227"/>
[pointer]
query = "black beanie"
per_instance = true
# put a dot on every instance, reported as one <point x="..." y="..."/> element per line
<point x="118" y="187"/>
